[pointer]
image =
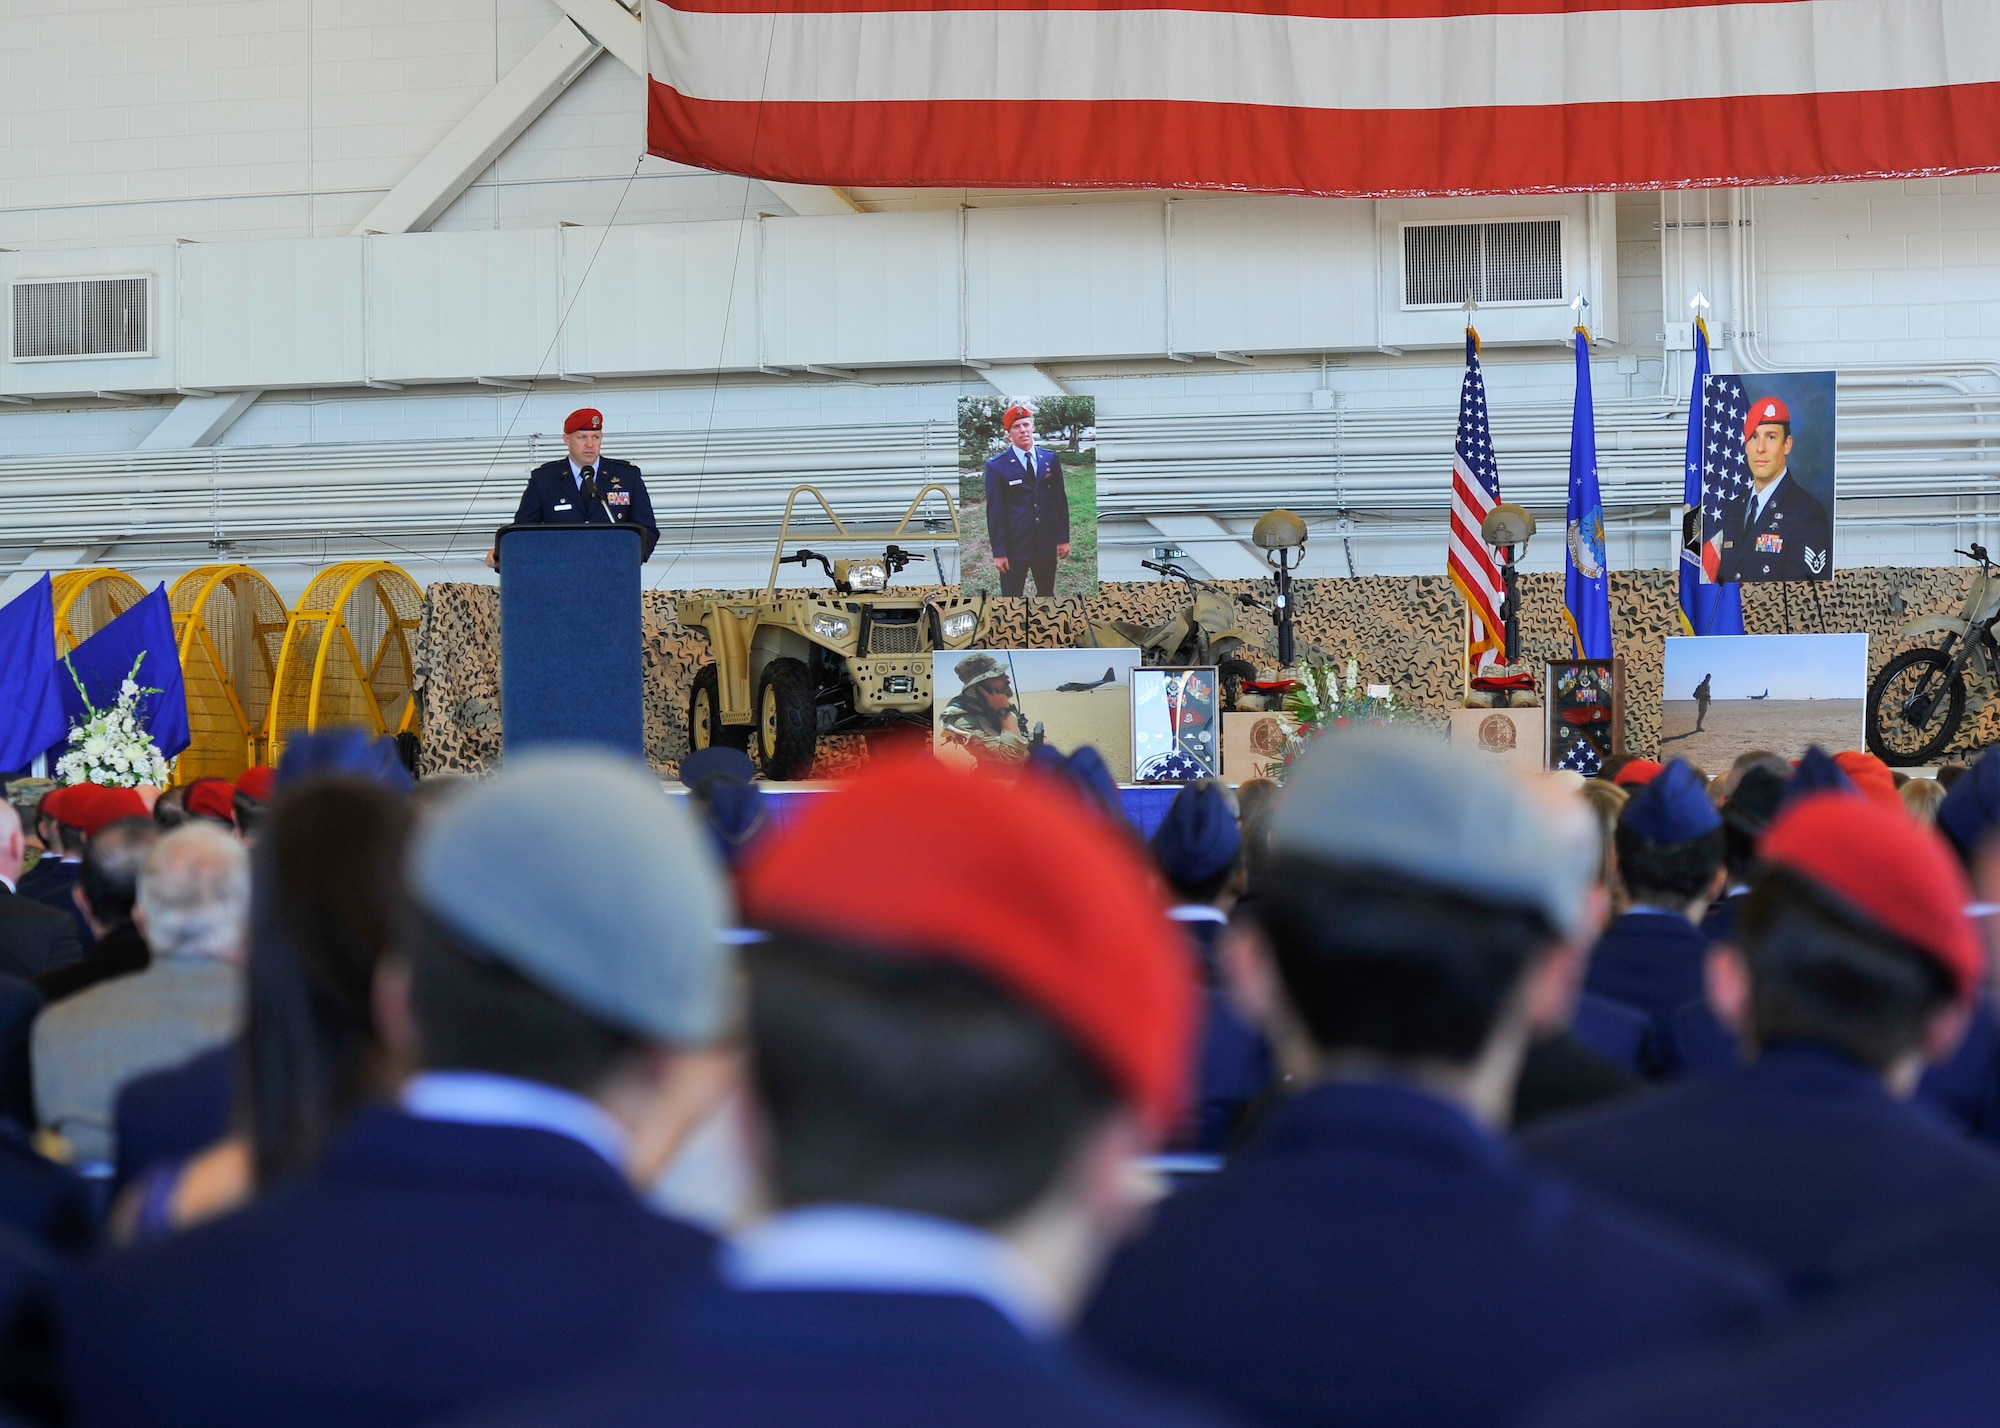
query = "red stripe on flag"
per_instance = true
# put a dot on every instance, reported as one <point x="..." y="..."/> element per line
<point x="1269" y="149"/>
<point x="1300" y="9"/>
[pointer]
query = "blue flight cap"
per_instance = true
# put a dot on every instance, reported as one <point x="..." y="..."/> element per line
<point x="1092" y="776"/>
<point x="1673" y="808"/>
<point x="1817" y="773"/>
<point x="735" y="815"/>
<point x="351" y="752"/>
<point x="1199" y="836"/>
<point x="1971" y="806"/>
<point x="716" y="761"/>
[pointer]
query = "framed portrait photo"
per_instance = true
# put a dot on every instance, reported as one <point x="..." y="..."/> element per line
<point x="1176" y="731"/>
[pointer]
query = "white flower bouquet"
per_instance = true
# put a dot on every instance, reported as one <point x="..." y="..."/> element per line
<point x="109" y="747"/>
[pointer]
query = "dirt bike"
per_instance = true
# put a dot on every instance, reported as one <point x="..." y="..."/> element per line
<point x="1202" y="632"/>
<point x="1917" y="702"/>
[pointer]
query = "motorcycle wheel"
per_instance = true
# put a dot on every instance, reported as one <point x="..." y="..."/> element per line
<point x="787" y="723"/>
<point x="1909" y="686"/>
<point x="705" y="726"/>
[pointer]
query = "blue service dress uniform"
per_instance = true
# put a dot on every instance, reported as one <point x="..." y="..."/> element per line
<point x="1651" y="961"/>
<point x="1027" y="516"/>
<point x="1374" y="1258"/>
<point x="1792" y="538"/>
<point x="554" y="497"/>
<point x="1803" y="1161"/>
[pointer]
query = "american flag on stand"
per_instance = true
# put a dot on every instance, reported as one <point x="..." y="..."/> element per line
<point x="1475" y="490"/>
<point x="1727" y="469"/>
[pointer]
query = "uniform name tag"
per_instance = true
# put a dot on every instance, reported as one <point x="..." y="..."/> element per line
<point x="1770" y="544"/>
<point x="562" y="505"/>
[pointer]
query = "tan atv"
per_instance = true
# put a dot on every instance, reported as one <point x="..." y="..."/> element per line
<point x="853" y="659"/>
<point x="1202" y="632"/>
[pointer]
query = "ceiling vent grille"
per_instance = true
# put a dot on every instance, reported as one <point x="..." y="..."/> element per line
<point x="82" y="317"/>
<point x="1445" y="263"/>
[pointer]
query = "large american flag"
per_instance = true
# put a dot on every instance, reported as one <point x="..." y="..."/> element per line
<point x="1361" y="97"/>
<point x="1475" y="490"/>
<point x="1725" y="467"/>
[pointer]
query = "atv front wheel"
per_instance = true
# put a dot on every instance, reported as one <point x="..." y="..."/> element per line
<point x="787" y="723"/>
<point x="1913" y="713"/>
<point x="705" y="726"/>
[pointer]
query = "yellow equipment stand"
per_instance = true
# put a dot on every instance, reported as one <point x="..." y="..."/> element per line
<point x="229" y="629"/>
<point x="87" y="600"/>
<point x="346" y="659"/>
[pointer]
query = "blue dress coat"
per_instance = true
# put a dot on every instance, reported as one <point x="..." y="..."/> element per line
<point x="1802" y="1161"/>
<point x="1375" y="1259"/>
<point x="1652" y="963"/>
<point x="424" y="1268"/>
<point x="552" y="498"/>
<point x="1027" y="516"/>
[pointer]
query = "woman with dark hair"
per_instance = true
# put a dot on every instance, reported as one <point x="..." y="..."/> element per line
<point x="323" y="897"/>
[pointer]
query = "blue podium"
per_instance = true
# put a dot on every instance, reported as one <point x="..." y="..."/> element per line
<point x="570" y="668"/>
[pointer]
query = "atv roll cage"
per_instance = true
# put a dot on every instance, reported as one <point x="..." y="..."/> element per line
<point x="841" y="532"/>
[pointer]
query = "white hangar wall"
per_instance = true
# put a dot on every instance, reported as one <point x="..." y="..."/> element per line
<point x="312" y="392"/>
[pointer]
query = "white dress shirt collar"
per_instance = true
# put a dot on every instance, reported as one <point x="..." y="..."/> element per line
<point x="1760" y="499"/>
<point x="576" y="471"/>
<point x="480" y="1099"/>
<point x="859" y="1248"/>
<point x="8" y="883"/>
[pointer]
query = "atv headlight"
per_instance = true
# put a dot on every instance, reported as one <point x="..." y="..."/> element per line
<point x="832" y="627"/>
<point x="867" y="575"/>
<point x="957" y="627"/>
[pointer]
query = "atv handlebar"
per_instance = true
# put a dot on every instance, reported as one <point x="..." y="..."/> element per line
<point x="1167" y="567"/>
<point x="1978" y="553"/>
<point x="805" y="557"/>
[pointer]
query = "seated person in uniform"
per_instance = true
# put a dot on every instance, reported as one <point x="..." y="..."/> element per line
<point x="949" y="1087"/>
<point x="1374" y="1255"/>
<point x="1851" y="967"/>
<point x="1670" y="848"/>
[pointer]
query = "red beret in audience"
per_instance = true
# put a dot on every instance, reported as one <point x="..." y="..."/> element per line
<point x="257" y="783"/>
<point x="89" y="806"/>
<point x="1638" y="772"/>
<point x="211" y="798"/>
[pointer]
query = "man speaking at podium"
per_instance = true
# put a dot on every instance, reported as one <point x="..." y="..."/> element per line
<point x="586" y="488"/>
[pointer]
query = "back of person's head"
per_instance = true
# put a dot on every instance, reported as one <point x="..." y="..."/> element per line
<point x="250" y="798"/>
<point x="194" y="895"/>
<point x="322" y="905"/>
<point x="211" y="798"/>
<point x="170" y="808"/>
<point x="563" y="980"/>
<point x="1256" y="802"/>
<point x="1921" y="797"/>
<point x="348" y="752"/>
<point x="1855" y="934"/>
<point x="1198" y="846"/>
<point x="112" y="861"/>
<point x="1669" y="839"/>
<point x="1606" y="801"/>
<point x="1747" y="813"/>
<point x="1411" y="888"/>
<point x="950" y="1053"/>
<point x="1971" y="807"/>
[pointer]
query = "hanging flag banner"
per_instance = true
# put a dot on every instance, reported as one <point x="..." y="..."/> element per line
<point x="1768" y="482"/>
<point x="143" y="635"/>
<point x="1586" y="572"/>
<point x="1475" y="491"/>
<point x="1706" y="608"/>
<point x="1357" y="97"/>
<point x="31" y="707"/>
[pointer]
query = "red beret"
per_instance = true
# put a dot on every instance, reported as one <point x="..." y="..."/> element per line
<point x="583" y="419"/>
<point x="1868" y="774"/>
<point x="1090" y="947"/>
<point x="1896" y="871"/>
<point x="1014" y="414"/>
<point x="1638" y="773"/>
<point x="89" y="806"/>
<point x="211" y="798"/>
<point x="257" y="782"/>
<point x="1763" y="410"/>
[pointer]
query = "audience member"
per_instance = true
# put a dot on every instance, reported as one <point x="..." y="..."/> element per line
<point x="1921" y="797"/>
<point x="1949" y="774"/>
<point x="1607" y="801"/>
<point x="1971" y="807"/>
<point x="1198" y="849"/>
<point x="250" y="798"/>
<point x="170" y="808"/>
<point x="211" y="798"/>
<point x="1817" y="771"/>
<point x="33" y="936"/>
<point x="56" y="869"/>
<point x="1852" y="967"/>
<point x="75" y="813"/>
<point x="1758" y="793"/>
<point x="323" y="893"/>
<point x="723" y="795"/>
<point x="1256" y="801"/>
<point x="25" y="795"/>
<point x="482" y="1235"/>
<point x="194" y="893"/>
<point x="1670" y="846"/>
<point x="950" y="1089"/>
<point x="105" y="893"/>
<point x="1635" y="772"/>
<point x="349" y="752"/>
<point x="1724" y="788"/>
<point x="1375" y="1256"/>
<point x="1869" y="775"/>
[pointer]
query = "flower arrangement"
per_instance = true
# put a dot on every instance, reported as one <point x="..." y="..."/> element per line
<point x="1322" y="700"/>
<point x="109" y="747"/>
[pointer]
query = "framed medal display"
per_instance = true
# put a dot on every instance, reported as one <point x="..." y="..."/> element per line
<point x="1586" y="704"/>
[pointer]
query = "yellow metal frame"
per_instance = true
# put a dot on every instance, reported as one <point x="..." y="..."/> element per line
<point x="70" y="586"/>
<point x="191" y="632"/>
<point x="840" y="532"/>
<point x="346" y="578"/>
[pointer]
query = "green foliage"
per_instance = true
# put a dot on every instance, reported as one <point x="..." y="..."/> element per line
<point x="1059" y="421"/>
<point x="1064" y="419"/>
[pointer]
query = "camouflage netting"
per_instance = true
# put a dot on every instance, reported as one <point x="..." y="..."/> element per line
<point x="1403" y="629"/>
